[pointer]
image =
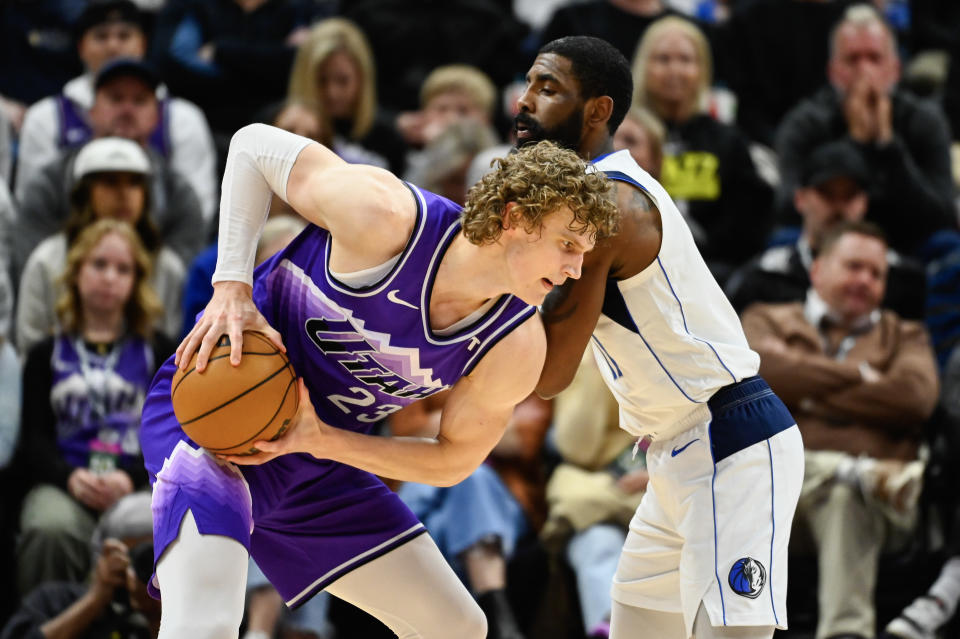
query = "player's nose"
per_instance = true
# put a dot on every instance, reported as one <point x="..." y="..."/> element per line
<point x="524" y="103"/>
<point x="574" y="267"/>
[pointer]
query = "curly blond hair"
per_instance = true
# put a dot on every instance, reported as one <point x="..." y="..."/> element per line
<point x="539" y="179"/>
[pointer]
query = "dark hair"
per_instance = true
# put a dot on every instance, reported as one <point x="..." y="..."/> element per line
<point x="97" y="12"/>
<point x="600" y="69"/>
<point x="860" y="227"/>
<point x="82" y="215"/>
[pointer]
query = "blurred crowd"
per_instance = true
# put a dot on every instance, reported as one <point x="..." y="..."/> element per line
<point x="808" y="144"/>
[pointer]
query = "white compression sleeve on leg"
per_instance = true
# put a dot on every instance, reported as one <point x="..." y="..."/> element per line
<point x="203" y="580"/>
<point x="258" y="164"/>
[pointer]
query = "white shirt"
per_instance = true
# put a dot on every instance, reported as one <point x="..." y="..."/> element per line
<point x="678" y="340"/>
<point x="192" y="152"/>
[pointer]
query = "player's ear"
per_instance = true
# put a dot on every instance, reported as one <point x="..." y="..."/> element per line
<point x="509" y="215"/>
<point x="597" y="111"/>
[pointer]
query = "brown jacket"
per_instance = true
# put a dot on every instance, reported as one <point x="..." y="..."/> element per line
<point x="834" y="406"/>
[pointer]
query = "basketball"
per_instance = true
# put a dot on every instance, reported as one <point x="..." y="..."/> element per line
<point x="227" y="408"/>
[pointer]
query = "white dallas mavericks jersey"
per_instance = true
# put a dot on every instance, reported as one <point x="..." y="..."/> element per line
<point x="667" y="339"/>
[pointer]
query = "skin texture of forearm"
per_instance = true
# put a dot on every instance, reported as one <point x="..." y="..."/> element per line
<point x="426" y="461"/>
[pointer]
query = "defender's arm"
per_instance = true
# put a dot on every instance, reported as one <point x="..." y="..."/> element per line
<point x="571" y="311"/>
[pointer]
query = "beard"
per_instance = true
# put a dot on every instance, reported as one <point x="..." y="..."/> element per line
<point x="567" y="133"/>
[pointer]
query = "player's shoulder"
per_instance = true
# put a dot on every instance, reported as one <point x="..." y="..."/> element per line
<point x="638" y="242"/>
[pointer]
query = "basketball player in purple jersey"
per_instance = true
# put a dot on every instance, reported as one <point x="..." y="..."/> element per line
<point x="392" y="294"/>
<point x="706" y="552"/>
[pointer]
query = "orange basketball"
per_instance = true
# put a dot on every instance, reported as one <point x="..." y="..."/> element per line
<point x="226" y="408"/>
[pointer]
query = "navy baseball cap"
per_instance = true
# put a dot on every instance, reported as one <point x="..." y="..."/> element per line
<point x="833" y="160"/>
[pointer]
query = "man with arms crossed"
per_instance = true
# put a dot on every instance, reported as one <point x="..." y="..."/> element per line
<point x="391" y="295"/>
<point x="706" y="554"/>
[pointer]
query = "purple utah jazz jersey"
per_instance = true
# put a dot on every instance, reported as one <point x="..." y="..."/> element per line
<point x="363" y="353"/>
<point x="368" y="352"/>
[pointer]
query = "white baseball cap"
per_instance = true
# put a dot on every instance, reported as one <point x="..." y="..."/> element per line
<point x="111" y="154"/>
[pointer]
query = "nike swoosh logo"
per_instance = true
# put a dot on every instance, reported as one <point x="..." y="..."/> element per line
<point x="392" y="296"/>
<point x="677" y="451"/>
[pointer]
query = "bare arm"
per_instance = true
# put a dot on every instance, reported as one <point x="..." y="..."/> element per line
<point x="473" y="420"/>
<point x="571" y="311"/>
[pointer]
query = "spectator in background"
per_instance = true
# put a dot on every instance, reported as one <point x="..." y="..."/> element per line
<point x="233" y="57"/>
<point x="11" y="397"/>
<point x="443" y="165"/>
<point x="622" y="23"/>
<point x="300" y="118"/>
<point x="904" y="140"/>
<point x="125" y="106"/>
<point x="926" y="616"/>
<point x="8" y="217"/>
<point x="777" y="54"/>
<point x="115" y="602"/>
<point x="334" y="75"/>
<point x="478" y="522"/>
<point x="951" y="89"/>
<point x="449" y="93"/>
<point x="36" y="52"/>
<point x="6" y="148"/>
<point x="83" y="390"/>
<point x="410" y="39"/>
<point x="861" y="382"/>
<point x="644" y="135"/>
<point x="831" y="191"/>
<point x="111" y="178"/>
<point x="594" y="492"/>
<point x="707" y="168"/>
<point x="108" y="30"/>
<point x="10" y="402"/>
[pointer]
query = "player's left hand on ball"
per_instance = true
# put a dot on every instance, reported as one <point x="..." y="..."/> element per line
<point x="230" y="311"/>
<point x="304" y="435"/>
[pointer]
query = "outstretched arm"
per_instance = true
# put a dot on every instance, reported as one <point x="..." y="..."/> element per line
<point x="474" y="417"/>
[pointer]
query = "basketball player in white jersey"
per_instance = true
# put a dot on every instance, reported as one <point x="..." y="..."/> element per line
<point x="706" y="553"/>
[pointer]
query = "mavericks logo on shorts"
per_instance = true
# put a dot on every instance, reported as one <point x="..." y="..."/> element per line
<point x="747" y="577"/>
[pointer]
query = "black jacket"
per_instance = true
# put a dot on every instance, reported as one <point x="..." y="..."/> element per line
<point x="708" y="170"/>
<point x="911" y="187"/>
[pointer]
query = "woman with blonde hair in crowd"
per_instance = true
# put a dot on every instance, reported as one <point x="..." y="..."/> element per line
<point x="707" y="168"/>
<point x="112" y="181"/>
<point x="79" y="449"/>
<point x="334" y="79"/>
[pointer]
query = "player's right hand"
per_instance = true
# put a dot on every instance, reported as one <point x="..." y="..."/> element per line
<point x="230" y="312"/>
